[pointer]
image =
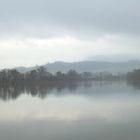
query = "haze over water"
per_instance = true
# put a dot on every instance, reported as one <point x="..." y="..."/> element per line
<point x="86" y="110"/>
<point x="46" y="47"/>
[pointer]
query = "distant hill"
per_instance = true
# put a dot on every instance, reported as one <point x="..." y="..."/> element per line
<point x="89" y="66"/>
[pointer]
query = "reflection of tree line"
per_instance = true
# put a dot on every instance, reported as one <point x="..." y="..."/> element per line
<point x="133" y="78"/>
<point x="40" y="82"/>
<point x="41" y="90"/>
<point x="134" y="84"/>
<point x="36" y="89"/>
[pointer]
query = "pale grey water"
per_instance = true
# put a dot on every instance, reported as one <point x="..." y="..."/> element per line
<point x="84" y="111"/>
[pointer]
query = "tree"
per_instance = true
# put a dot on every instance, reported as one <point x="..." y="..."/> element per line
<point x="87" y="75"/>
<point x="60" y="75"/>
<point x="73" y="75"/>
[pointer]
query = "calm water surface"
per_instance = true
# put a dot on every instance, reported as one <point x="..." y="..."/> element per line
<point x="82" y="111"/>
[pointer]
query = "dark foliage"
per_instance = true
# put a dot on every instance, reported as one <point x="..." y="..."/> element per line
<point x="134" y="75"/>
<point x="41" y="75"/>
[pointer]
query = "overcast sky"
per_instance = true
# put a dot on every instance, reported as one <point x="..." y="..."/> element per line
<point x="41" y="31"/>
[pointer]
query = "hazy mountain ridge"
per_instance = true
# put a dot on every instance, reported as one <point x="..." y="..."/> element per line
<point x="90" y="66"/>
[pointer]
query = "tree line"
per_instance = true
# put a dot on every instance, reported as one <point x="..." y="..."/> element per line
<point x="134" y="75"/>
<point x="12" y="76"/>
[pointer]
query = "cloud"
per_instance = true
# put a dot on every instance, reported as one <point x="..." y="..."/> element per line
<point x="90" y="16"/>
<point x="39" y="31"/>
<point x="33" y="51"/>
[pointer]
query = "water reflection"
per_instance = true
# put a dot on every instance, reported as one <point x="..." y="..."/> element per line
<point x="42" y="90"/>
<point x="39" y="90"/>
<point x="134" y="84"/>
<point x="94" y="110"/>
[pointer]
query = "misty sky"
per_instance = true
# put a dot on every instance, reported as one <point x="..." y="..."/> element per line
<point x="41" y="31"/>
